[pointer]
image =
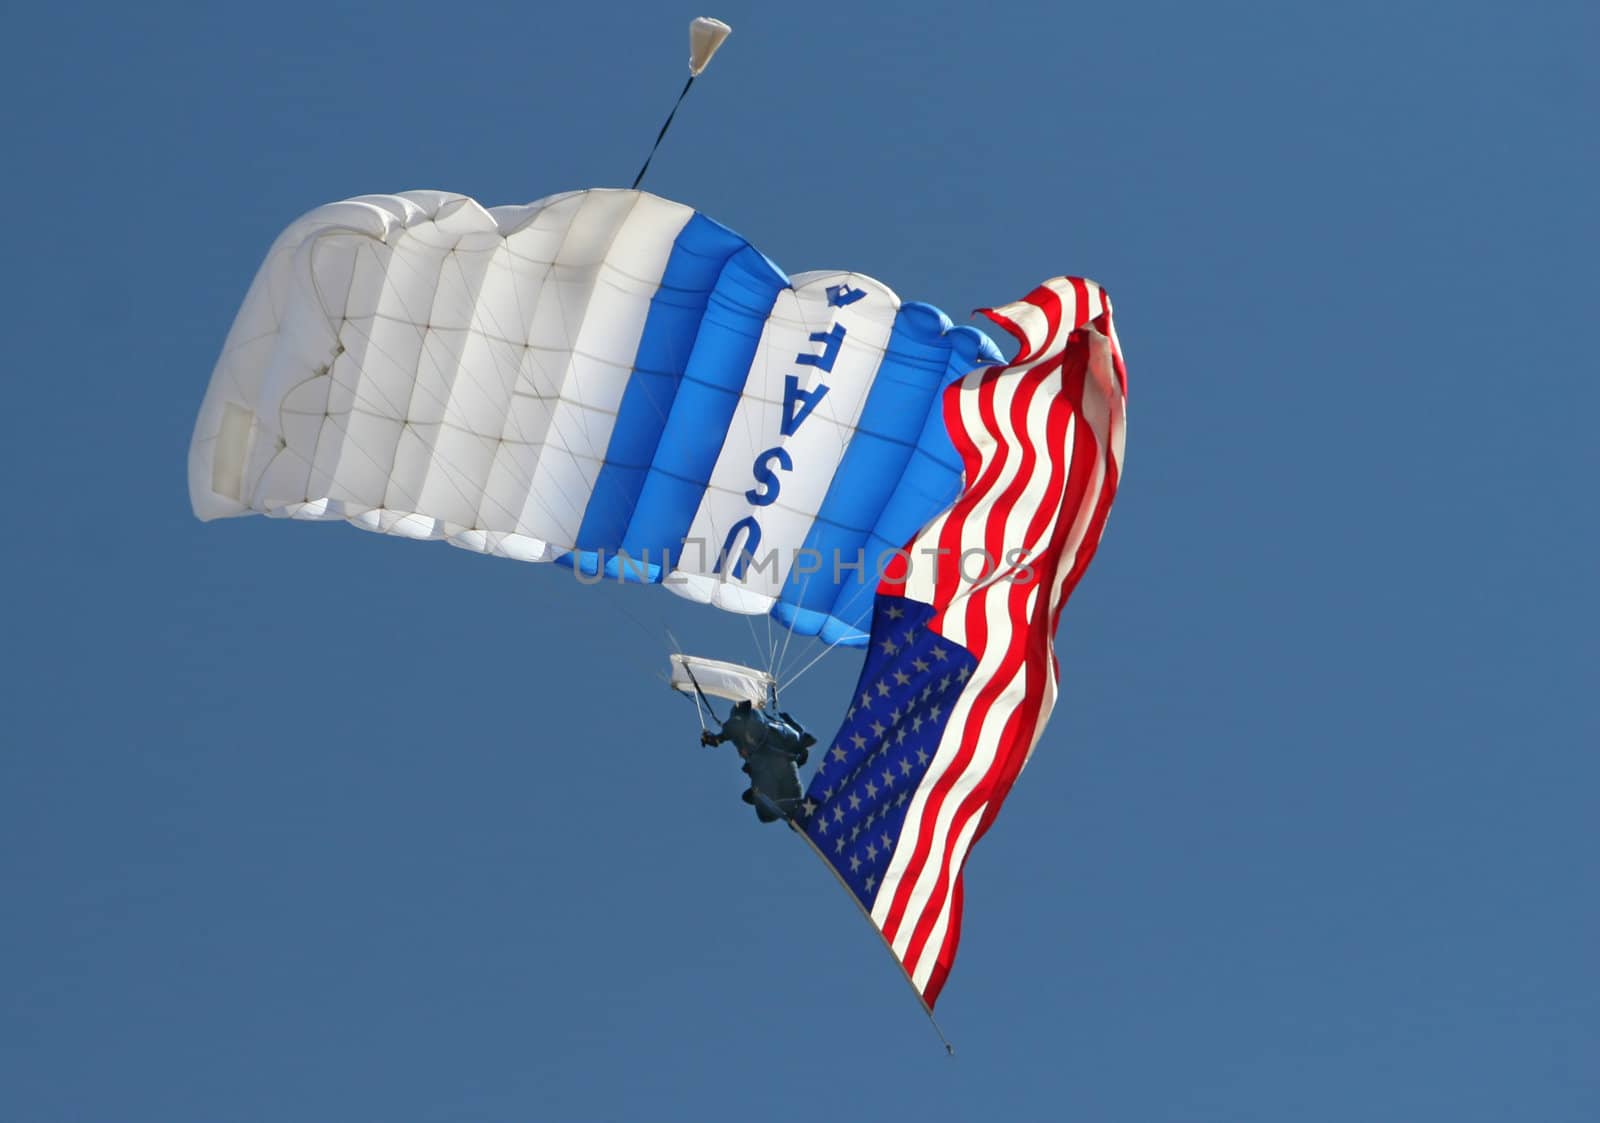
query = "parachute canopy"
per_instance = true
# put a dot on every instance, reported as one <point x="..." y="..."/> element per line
<point x="603" y="379"/>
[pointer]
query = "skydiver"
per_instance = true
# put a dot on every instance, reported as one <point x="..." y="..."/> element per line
<point x="774" y="748"/>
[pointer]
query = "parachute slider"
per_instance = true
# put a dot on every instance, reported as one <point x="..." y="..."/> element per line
<point x="721" y="680"/>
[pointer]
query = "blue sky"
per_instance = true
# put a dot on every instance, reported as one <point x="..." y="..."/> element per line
<point x="303" y="824"/>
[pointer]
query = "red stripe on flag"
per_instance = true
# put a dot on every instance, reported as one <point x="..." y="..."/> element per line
<point x="1027" y="655"/>
<point x="977" y="625"/>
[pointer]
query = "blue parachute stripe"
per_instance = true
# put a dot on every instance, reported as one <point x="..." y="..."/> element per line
<point x="902" y="435"/>
<point x="915" y="367"/>
<point x="703" y="408"/>
<point x="587" y="564"/>
<point x="932" y="480"/>
<point x="698" y="257"/>
<point x="832" y="631"/>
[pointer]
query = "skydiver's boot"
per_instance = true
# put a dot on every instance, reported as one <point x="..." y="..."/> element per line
<point x="766" y="810"/>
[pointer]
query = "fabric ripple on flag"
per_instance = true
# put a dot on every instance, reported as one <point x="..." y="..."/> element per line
<point x="960" y="674"/>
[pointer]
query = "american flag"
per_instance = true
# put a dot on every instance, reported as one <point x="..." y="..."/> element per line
<point x="961" y="673"/>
